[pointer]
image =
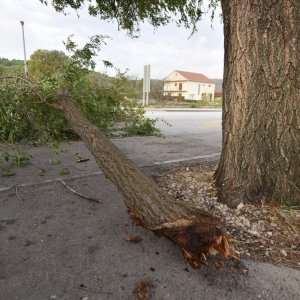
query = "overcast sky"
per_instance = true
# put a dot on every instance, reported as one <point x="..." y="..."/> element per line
<point x="165" y="49"/>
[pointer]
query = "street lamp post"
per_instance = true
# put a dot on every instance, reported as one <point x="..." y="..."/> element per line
<point x="25" y="62"/>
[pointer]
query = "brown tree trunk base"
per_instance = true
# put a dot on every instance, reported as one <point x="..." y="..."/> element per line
<point x="260" y="158"/>
<point x="197" y="233"/>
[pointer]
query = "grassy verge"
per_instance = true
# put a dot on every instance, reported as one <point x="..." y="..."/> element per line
<point x="217" y="103"/>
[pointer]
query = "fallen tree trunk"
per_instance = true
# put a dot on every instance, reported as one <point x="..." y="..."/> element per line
<point x="197" y="233"/>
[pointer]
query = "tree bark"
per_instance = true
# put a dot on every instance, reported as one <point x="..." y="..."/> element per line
<point x="261" y="102"/>
<point x="197" y="233"/>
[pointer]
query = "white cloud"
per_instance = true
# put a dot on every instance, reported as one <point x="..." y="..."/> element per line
<point x="165" y="49"/>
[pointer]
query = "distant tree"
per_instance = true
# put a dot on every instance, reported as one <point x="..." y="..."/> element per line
<point x="156" y="90"/>
<point x="218" y="83"/>
<point x="13" y="67"/>
<point x="2" y="70"/>
<point x="13" y="62"/>
<point x="44" y="63"/>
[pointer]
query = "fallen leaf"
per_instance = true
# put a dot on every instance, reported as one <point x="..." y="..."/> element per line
<point x="35" y="225"/>
<point x="54" y="161"/>
<point x="80" y="160"/>
<point x="64" y="172"/>
<point x="142" y="291"/>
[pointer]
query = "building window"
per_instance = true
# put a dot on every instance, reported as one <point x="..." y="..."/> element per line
<point x="199" y="88"/>
<point x="175" y="83"/>
<point x="209" y="85"/>
<point x="180" y="86"/>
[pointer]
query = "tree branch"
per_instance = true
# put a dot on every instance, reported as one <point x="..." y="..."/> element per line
<point x="29" y="83"/>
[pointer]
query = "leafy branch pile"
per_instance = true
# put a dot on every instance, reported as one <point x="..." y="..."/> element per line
<point x="27" y="106"/>
<point x="12" y="159"/>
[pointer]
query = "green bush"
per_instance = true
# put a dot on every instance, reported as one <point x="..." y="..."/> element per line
<point x="23" y="117"/>
<point x="26" y="107"/>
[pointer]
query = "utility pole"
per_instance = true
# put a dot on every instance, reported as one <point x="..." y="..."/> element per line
<point x="25" y="61"/>
<point x="146" y="85"/>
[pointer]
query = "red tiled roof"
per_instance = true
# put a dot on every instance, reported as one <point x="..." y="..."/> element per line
<point x="195" y="76"/>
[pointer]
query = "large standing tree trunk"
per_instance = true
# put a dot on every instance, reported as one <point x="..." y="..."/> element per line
<point x="261" y="102"/>
<point x="197" y="233"/>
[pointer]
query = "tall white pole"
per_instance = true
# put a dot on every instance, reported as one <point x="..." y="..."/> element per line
<point x="24" y="49"/>
<point x="146" y="85"/>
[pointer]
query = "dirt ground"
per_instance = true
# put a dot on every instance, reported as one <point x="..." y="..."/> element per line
<point x="264" y="232"/>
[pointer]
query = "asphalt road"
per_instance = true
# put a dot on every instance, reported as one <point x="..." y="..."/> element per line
<point x="188" y="136"/>
<point x="204" y="123"/>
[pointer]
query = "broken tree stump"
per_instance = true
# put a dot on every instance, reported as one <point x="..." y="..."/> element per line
<point x="197" y="233"/>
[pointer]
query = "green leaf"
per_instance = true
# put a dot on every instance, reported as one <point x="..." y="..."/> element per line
<point x="54" y="161"/>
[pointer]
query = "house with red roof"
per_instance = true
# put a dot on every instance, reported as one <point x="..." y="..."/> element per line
<point x="189" y="86"/>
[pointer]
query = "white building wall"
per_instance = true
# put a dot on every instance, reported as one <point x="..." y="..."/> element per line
<point x="208" y="88"/>
<point x="195" y="90"/>
<point x="172" y="88"/>
<point x="190" y="90"/>
<point x="175" y="76"/>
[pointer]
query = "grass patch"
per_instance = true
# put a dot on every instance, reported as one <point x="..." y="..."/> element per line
<point x="216" y="103"/>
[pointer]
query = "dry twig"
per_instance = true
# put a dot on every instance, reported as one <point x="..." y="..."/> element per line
<point x="17" y="194"/>
<point x="82" y="287"/>
<point x="78" y="194"/>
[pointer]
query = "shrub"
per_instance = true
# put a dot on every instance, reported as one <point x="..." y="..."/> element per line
<point x="24" y="117"/>
<point x="26" y="112"/>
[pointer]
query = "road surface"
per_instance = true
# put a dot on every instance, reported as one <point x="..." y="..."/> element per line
<point x="188" y="136"/>
<point x="188" y="122"/>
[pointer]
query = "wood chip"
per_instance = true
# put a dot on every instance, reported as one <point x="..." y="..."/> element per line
<point x="257" y="231"/>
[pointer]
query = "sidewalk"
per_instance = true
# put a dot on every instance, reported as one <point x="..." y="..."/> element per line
<point x="56" y="245"/>
<point x="47" y="165"/>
